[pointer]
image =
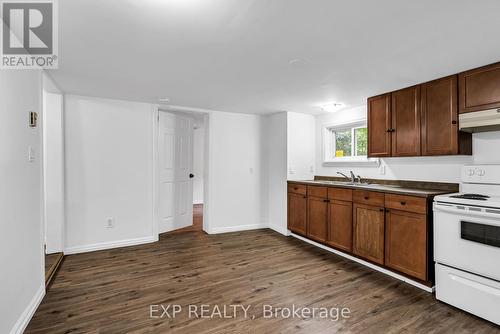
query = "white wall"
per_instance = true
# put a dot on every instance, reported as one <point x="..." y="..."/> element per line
<point x="276" y="157"/>
<point x="301" y="146"/>
<point x="198" y="162"/>
<point x="109" y="173"/>
<point x="237" y="179"/>
<point x="53" y="147"/>
<point x="438" y="169"/>
<point x="486" y="147"/>
<point x="21" y="238"/>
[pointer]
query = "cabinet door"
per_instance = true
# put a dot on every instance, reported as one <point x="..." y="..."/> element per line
<point x="406" y="243"/>
<point x="297" y="213"/>
<point x="379" y="125"/>
<point x="479" y="89"/>
<point x="340" y="225"/>
<point x="405" y="111"/>
<point x="440" y="117"/>
<point x="317" y="215"/>
<point x="368" y="232"/>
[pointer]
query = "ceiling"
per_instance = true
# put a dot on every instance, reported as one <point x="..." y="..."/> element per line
<point x="262" y="56"/>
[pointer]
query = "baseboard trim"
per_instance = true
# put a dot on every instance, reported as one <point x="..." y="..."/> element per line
<point x="237" y="228"/>
<point x="28" y="313"/>
<point x="367" y="264"/>
<point x="109" y="245"/>
<point x="280" y="229"/>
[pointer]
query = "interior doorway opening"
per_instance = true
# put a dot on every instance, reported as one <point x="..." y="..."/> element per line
<point x="53" y="177"/>
<point x="181" y="171"/>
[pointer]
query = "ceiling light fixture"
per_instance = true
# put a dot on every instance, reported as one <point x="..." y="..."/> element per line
<point x="332" y="107"/>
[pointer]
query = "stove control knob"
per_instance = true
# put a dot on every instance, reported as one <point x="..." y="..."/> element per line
<point x="470" y="172"/>
<point x="481" y="172"/>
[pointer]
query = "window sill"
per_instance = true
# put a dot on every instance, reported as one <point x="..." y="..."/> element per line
<point x="366" y="162"/>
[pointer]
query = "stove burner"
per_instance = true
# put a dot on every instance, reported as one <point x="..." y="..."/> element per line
<point x="476" y="197"/>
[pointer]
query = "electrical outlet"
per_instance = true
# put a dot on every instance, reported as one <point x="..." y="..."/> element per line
<point x="382" y="170"/>
<point x="110" y="222"/>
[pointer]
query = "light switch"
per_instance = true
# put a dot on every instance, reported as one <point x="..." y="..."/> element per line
<point x="31" y="154"/>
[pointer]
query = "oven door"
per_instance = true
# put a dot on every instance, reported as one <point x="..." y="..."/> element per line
<point x="467" y="238"/>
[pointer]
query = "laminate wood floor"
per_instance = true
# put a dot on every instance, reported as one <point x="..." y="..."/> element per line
<point x="197" y="221"/>
<point x="111" y="291"/>
<point x="52" y="263"/>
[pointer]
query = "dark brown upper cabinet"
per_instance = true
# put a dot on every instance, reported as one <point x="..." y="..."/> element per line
<point x="479" y="89"/>
<point x="379" y="126"/>
<point x="405" y="110"/>
<point x="440" y="134"/>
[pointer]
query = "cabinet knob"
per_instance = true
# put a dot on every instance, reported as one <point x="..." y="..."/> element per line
<point x="453" y="122"/>
<point x="381" y="210"/>
<point x="367" y="198"/>
<point x="403" y="202"/>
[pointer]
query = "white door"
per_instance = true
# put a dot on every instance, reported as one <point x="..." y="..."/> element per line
<point x="175" y="190"/>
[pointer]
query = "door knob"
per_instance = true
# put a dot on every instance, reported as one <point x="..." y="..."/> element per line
<point x="191" y="176"/>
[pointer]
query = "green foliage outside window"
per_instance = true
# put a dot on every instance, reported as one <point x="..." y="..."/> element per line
<point x="343" y="143"/>
<point x="361" y="135"/>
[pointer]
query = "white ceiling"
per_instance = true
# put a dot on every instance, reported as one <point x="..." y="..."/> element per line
<point x="262" y="56"/>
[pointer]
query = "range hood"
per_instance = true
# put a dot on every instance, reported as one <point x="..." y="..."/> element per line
<point x="480" y="121"/>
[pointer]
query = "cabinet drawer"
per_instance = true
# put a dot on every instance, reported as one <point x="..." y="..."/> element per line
<point x="317" y="191"/>
<point x="297" y="188"/>
<point x="368" y="197"/>
<point x="406" y="203"/>
<point x="340" y="194"/>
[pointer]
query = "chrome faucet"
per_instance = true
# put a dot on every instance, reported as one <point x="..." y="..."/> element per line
<point x="352" y="178"/>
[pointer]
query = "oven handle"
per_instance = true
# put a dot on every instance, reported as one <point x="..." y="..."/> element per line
<point x="450" y="208"/>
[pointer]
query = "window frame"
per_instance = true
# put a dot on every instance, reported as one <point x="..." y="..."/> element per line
<point x="329" y="157"/>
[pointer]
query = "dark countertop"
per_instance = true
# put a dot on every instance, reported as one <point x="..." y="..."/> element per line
<point x="402" y="189"/>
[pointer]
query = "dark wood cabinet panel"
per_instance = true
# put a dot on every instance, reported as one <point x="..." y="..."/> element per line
<point x="340" y="194"/>
<point x="405" y="112"/>
<point x="317" y="191"/>
<point x="406" y="203"/>
<point x="297" y="188"/>
<point x="340" y="225"/>
<point x="368" y="197"/>
<point x="406" y="243"/>
<point x="297" y="213"/>
<point x="479" y="88"/>
<point x="379" y="125"/>
<point x="440" y="117"/>
<point x="317" y="218"/>
<point x="368" y="232"/>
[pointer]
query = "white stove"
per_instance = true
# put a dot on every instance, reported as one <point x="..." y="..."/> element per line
<point x="467" y="243"/>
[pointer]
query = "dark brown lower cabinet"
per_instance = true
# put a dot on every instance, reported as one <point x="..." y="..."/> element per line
<point x="340" y="225"/>
<point x="391" y="230"/>
<point x="368" y="232"/>
<point x="297" y="213"/>
<point x="317" y="217"/>
<point x="406" y="243"/>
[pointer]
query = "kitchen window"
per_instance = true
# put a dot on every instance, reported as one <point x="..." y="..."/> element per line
<point x="346" y="144"/>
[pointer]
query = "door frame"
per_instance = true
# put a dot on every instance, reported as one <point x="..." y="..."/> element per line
<point x="156" y="161"/>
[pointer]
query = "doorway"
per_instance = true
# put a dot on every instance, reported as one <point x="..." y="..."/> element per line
<point x="53" y="178"/>
<point x="181" y="160"/>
